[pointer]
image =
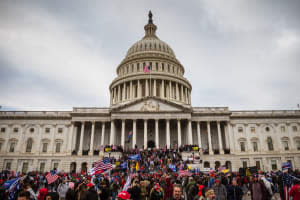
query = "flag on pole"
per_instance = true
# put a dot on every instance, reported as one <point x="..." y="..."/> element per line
<point x="124" y="165"/>
<point x="129" y="136"/>
<point x="101" y="167"/>
<point x="127" y="184"/>
<point x="147" y="69"/>
<point x="134" y="157"/>
<point x="51" y="177"/>
<point x="12" y="186"/>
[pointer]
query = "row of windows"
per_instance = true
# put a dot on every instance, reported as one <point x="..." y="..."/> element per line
<point x="31" y="130"/>
<point x="258" y="164"/>
<point x="139" y="67"/>
<point x="26" y="165"/>
<point x="267" y="129"/>
<point x="12" y="146"/>
<point x="285" y="145"/>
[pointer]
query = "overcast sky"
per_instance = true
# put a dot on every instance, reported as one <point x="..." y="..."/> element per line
<point x="244" y="55"/>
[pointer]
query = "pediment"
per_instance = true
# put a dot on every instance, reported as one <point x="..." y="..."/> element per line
<point x="151" y="105"/>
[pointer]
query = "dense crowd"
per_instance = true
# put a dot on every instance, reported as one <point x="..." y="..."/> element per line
<point x="155" y="175"/>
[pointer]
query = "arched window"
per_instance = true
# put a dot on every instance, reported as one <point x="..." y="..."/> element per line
<point x="206" y="164"/>
<point x="29" y="145"/>
<point x="270" y="144"/>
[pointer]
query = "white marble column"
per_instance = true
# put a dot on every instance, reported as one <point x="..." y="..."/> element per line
<point x="52" y="144"/>
<point x="156" y="133"/>
<point x="111" y="98"/>
<point x="38" y="147"/>
<point x="186" y="96"/>
<point x="134" y="134"/>
<point x="119" y="93"/>
<point x="81" y="139"/>
<point x="182" y="93"/>
<point x="91" y="152"/>
<point x="145" y="133"/>
<point x="168" y="133"/>
<point x="124" y="91"/>
<point x="123" y="134"/>
<point x="112" y="132"/>
<point x="231" y="138"/>
<point x="209" y="139"/>
<point x="70" y="138"/>
<point x="170" y="90"/>
<point x="154" y="87"/>
<point x="162" y="89"/>
<point x="199" y="134"/>
<point x="190" y="136"/>
<point x="177" y="92"/>
<point x="220" y="138"/>
<point x="102" y="133"/>
<point x="290" y="134"/>
<point x="131" y="90"/>
<point x="115" y="94"/>
<point x="179" y="132"/>
<point x="139" y="89"/>
<point x="7" y="133"/>
<point x="146" y="88"/>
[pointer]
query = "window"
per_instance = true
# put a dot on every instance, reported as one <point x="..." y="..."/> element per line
<point x="267" y="129"/>
<point x="16" y="130"/>
<point x="47" y="130"/>
<point x="29" y="145"/>
<point x="240" y="129"/>
<point x="242" y="144"/>
<point x="42" y="167"/>
<point x="298" y="145"/>
<point x="273" y="164"/>
<point x="282" y="128"/>
<point x="25" y="167"/>
<point x="252" y="129"/>
<point x="285" y="145"/>
<point x="255" y="147"/>
<point x="45" y="146"/>
<point x="8" y="166"/>
<point x="55" y="165"/>
<point x="57" y="148"/>
<point x="60" y="130"/>
<point x="270" y="144"/>
<point x="295" y="129"/>
<point x="12" y="147"/>
<point x="162" y="67"/>
<point x="257" y="163"/>
<point x="2" y="130"/>
<point x="31" y="130"/>
<point x="156" y="66"/>
<point x="244" y="164"/>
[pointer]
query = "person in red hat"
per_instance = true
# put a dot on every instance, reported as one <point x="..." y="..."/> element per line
<point x="220" y="190"/>
<point x="156" y="193"/>
<point x="123" y="195"/>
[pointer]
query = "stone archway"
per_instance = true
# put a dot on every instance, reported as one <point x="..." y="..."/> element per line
<point x="151" y="144"/>
<point x="73" y="167"/>
<point x="84" y="167"/>
<point x="217" y="165"/>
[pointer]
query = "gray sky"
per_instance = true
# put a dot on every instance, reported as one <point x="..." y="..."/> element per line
<point x="59" y="54"/>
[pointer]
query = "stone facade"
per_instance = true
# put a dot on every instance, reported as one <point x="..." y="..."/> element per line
<point x="150" y="98"/>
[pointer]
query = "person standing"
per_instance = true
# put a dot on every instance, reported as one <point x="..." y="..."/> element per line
<point x="220" y="190"/>
<point x="295" y="190"/>
<point x="62" y="189"/>
<point x="235" y="192"/>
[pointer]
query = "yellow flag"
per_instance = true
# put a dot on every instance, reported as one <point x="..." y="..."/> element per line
<point x="248" y="173"/>
<point x="137" y="166"/>
<point x="225" y="171"/>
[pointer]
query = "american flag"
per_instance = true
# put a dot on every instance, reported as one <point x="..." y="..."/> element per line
<point x="184" y="173"/>
<point x="51" y="177"/>
<point x="147" y="69"/>
<point x="103" y="165"/>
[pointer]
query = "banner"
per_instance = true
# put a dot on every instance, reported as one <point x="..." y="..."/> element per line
<point x="134" y="157"/>
<point x="286" y="165"/>
<point x="107" y="149"/>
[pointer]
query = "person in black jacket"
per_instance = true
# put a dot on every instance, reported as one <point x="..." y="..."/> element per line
<point x="91" y="193"/>
<point x="235" y="192"/>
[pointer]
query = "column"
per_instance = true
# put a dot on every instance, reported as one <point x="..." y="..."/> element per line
<point x="186" y="96"/>
<point x="139" y="89"/>
<point x="198" y="134"/>
<point x="145" y="133"/>
<point x="119" y="92"/>
<point x="170" y="89"/>
<point x="123" y="134"/>
<point x="124" y="91"/>
<point x="115" y="95"/>
<point x="81" y="139"/>
<point x="134" y="134"/>
<point x="38" y="146"/>
<point x="146" y="88"/>
<point x="112" y="132"/>
<point x="154" y="87"/>
<point x="220" y="138"/>
<point x="70" y="138"/>
<point x="190" y="136"/>
<point x="52" y="143"/>
<point x="102" y="133"/>
<point x="290" y="134"/>
<point x="179" y="132"/>
<point x="182" y="93"/>
<point x="189" y="96"/>
<point x="91" y="152"/>
<point x="231" y="138"/>
<point x="111" y="98"/>
<point x="168" y="133"/>
<point x="162" y="89"/>
<point x="131" y="90"/>
<point x="156" y="133"/>
<point x="7" y="133"/>
<point x="177" y="92"/>
<point x="209" y="138"/>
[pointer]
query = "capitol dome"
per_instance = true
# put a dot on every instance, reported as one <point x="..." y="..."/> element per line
<point x="163" y="80"/>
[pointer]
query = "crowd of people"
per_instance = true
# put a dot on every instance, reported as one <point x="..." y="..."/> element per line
<point x="153" y="175"/>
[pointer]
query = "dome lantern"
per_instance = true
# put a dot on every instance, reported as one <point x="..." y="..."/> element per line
<point x="150" y="28"/>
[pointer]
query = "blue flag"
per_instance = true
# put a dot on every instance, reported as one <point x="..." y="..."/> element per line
<point x="172" y="167"/>
<point x="124" y="165"/>
<point x="134" y="157"/>
<point x="12" y="186"/>
<point x="286" y="165"/>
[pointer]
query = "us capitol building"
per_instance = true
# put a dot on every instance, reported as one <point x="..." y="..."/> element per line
<point x="156" y="107"/>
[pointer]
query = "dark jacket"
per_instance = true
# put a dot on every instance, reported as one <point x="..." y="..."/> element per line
<point x="70" y="194"/>
<point x="235" y="192"/>
<point x="91" y="194"/>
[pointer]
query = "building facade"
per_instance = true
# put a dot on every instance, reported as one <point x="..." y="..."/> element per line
<point x="150" y="98"/>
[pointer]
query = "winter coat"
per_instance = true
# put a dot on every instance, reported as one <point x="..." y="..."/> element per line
<point x="220" y="192"/>
<point x="234" y="192"/>
<point x="62" y="189"/>
<point x="91" y="194"/>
